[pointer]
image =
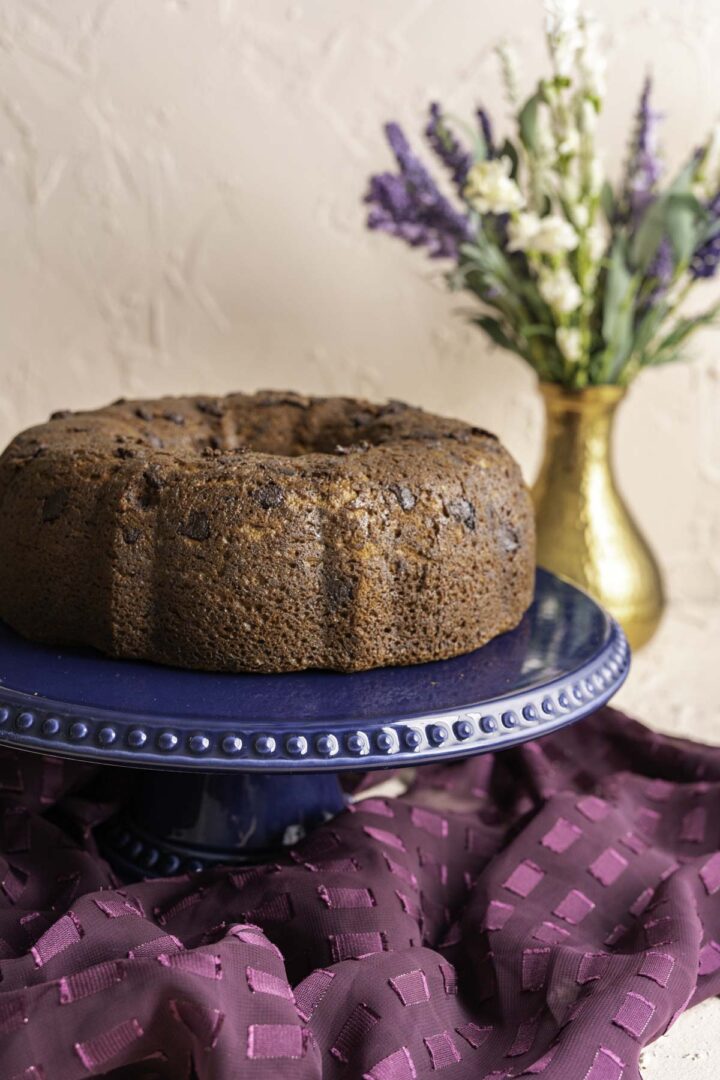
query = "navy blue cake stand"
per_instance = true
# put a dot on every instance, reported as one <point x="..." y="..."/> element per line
<point x="229" y="767"/>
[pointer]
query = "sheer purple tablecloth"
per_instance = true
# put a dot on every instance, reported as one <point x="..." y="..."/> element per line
<point x="543" y="911"/>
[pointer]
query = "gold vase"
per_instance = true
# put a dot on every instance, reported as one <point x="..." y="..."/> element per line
<point x="584" y="529"/>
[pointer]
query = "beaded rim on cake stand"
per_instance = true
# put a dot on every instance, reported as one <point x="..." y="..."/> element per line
<point x="565" y="659"/>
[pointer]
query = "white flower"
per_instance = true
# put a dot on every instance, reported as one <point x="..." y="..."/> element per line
<point x="562" y="27"/>
<point x="554" y="235"/>
<point x="591" y="62"/>
<point x="570" y="143"/>
<point x="596" y="173"/>
<point x="569" y="343"/>
<point x="522" y="231"/>
<point x="560" y="290"/>
<point x="569" y="187"/>
<point x="490" y="188"/>
<point x="551" y="235"/>
<point x="581" y="216"/>
<point x="509" y="71"/>
<point x="588" y="117"/>
<point x="596" y="242"/>
<point x="560" y="15"/>
<point x="565" y="55"/>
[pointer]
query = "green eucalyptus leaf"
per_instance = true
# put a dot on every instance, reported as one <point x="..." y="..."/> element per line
<point x="528" y="121"/>
<point x="508" y="150"/>
<point x="607" y="201"/>
<point x="683" y="181"/>
<point x="674" y="213"/>
<point x="617" y="286"/>
<point x="685" y="219"/>
<point x="664" y="356"/>
<point x="479" y="148"/>
<point x="686" y="326"/>
<point x="648" y="325"/>
<point x="688" y="201"/>
<point x="531" y="330"/>
<point x="472" y="251"/>
<point x="495" y="330"/>
<point x="618" y="310"/>
<point x="649" y="234"/>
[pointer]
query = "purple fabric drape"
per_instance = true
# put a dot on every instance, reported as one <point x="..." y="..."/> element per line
<point x="545" y="911"/>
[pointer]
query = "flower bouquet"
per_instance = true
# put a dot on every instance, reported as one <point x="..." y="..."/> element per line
<point x="581" y="279"/>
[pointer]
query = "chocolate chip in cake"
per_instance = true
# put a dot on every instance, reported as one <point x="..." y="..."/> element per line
<point x="154" y="482"/>
<point x="211" y="408"/>
<point x="143" y="414"/>
<point x="119" y="401"/>
<point x="153" y="478"/>
<point x="124" y="452"/>
<point x="197" y="526"/>
<point x="131" y="535"/>
<point x="54" y="504"/>
<point x="403" y="495"/>
<point x="462" y="510"/>
<point x="272" y="397"/>
<point x="362" y="419"/>
<point x="61" y="414"/>
<point x="269" y="495"/>
<point x="174" y="418"/>
<point x="484" y="433"/>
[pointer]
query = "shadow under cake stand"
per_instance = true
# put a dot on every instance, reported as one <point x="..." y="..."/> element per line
<point x="230" y="767"/>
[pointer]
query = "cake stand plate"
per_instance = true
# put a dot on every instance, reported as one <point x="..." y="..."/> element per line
<point x="208" y="747"/>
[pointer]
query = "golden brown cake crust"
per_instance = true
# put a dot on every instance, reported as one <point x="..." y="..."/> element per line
<point x="265" y="532"/>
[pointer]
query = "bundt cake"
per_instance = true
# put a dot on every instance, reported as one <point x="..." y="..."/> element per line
<point x="265" y="532"/>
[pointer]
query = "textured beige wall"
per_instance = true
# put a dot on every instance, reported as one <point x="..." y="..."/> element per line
<point x="180" y="210"/>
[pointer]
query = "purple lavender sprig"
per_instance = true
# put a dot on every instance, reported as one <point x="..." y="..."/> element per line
<point x="448" y="148"/>
<point x="486" y="130"/>
<point x="706" y="258"/>
<point x="644" y="168"/>
<point x="410" y="205"/>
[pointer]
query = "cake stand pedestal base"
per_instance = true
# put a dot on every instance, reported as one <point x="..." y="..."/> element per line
<point x="164" y="827"/>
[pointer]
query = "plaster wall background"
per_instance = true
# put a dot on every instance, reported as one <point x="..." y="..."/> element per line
<point x="180" y="185"/>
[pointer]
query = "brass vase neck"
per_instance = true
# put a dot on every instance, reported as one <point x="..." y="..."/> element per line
<point x="591" y="400"/>
<point x="579" y="424"/>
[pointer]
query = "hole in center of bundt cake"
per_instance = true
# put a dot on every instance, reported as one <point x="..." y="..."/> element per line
<point x="274" y="423"/>
<point x="279" y="428"/>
